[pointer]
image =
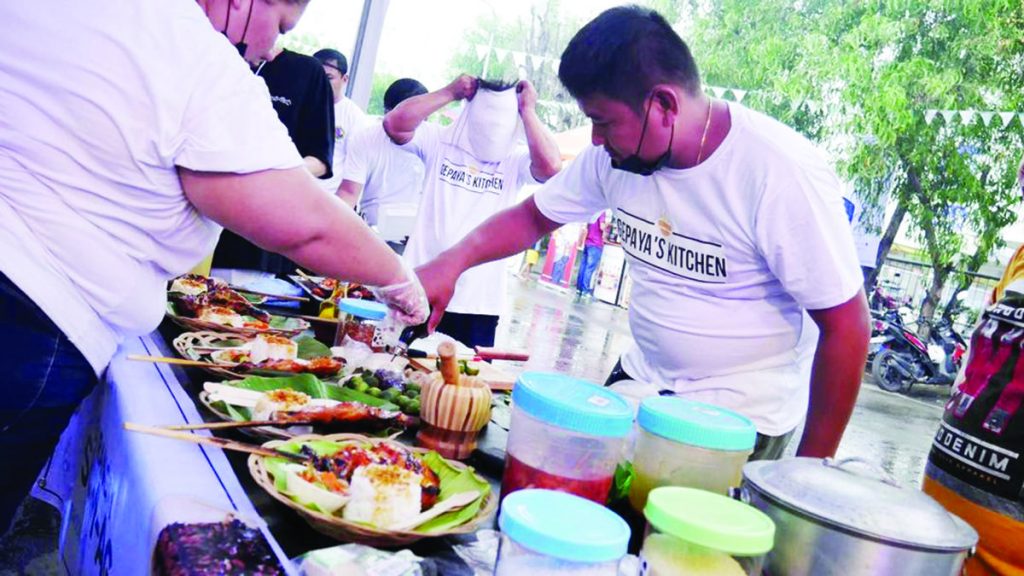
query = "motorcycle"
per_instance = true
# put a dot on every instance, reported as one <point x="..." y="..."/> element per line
<point x="901" y="359"/>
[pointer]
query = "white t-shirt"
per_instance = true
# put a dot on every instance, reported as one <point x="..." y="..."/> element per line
<point x="388" y="173"/>
<point x="100" y="101"/>
<point x="459" y="193"/>
<point x="348" y="119"/>
<point x="758" y="235"/>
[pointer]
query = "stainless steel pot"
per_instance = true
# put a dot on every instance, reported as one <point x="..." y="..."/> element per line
<point x="831" y="520"/>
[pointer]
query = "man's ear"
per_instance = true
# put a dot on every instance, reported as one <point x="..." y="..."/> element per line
<point x="665" y="99"/>
<point x="344" y="78"/>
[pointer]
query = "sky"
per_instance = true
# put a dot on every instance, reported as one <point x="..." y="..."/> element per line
<point x="420" y="36"/>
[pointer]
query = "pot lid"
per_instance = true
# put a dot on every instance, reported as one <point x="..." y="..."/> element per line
<point x="848" y="495"/>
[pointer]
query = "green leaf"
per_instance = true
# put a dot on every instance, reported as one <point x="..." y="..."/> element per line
<point x="306" y="383"/>
<point x="310" y="348"/>
<point x="623" y="480"/>
<point x="286" y="323"/>
<point x="237" y="413"/>
<point x="454" y="481"/>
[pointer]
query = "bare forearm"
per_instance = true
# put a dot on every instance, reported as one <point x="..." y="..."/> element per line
<point x="505" y="234"/>
<point x="402" y="122"/>
<point x="545" y="158"/>
<point x="284" y="211"/>
<point x="835" y="378"/>
<point x="349" y="192"/>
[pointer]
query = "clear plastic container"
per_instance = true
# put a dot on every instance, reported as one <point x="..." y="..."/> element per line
<point x="685" y="443"/>
<point x="553" y="534"/>
<point x="566" y="434"/>
<point x="359" y="320"/>
<point x="692" y="532"/>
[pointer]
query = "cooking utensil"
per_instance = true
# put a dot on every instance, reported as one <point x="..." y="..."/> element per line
<point x="832" y="519"/>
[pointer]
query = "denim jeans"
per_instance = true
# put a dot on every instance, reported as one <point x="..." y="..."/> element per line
<point x="588" y="265"/>
<point x="44" y="379"/>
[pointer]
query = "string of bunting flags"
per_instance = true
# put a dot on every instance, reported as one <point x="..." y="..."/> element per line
<point x="963" y="117"/>
<point x="968" y="117"/>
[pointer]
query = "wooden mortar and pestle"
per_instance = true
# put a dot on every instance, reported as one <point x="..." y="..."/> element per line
<point x="453" y="408"/>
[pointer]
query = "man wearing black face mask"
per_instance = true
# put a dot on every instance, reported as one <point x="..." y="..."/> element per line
<point x="734" y="228"/>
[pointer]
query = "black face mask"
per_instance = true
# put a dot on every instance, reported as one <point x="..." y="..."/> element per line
<point x="636" y="165"/>
<point x="241" y="46"/>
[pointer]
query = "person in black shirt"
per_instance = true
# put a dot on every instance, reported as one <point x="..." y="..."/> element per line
<point x="302" y="96"/>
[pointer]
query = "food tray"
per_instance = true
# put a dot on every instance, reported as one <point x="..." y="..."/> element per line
<point x="346" y="531"/>
<point x="264" y="432"/>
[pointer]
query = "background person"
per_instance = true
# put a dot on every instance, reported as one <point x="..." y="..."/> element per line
<point x="131" y="133"/>
<point x="733" y="226"/>
<point x="378" y="173"/>
<point x="974" y="469"/>
<point x="302" y="97"/>
<point x="592" y="245"/>
<point x="473" y="168"/>
<point x="349" y="118"/>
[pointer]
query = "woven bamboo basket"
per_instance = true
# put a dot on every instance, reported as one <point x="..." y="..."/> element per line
<point x="186" y="345"/>
<point x="345" y="531"/>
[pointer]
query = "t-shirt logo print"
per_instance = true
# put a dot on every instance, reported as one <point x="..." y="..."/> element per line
<point x="657" y="245"/>
<point x="471" y="178"/>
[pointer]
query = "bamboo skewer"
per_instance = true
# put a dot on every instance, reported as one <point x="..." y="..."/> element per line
<point x="176" y="361"/>
<point x="308" y="318"/>
<point x="221" y="443"/>
<point x="230" y="425"/>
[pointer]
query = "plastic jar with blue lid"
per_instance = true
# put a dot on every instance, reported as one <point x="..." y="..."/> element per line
<point x="554" y="533"/>
<point x="566" y="434"/>
<point x="359" y="320"/>
<point x="686" y="443"/>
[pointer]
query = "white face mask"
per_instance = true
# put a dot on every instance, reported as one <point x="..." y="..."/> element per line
<point x="489" y="127"/>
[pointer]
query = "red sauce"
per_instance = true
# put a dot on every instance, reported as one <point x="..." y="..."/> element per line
<point x="519" y="476"/>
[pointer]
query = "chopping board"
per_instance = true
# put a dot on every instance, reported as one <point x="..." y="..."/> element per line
<point x="497" y="379"/>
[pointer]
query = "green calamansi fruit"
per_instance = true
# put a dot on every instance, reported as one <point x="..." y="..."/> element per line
<point x="374" y="391"/>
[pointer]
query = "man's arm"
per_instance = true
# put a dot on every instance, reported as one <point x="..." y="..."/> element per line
<point x="315" y="166"/>
<point x="402" y="122"/>
<point x="545" y="158"/>
<point x="284" y="211"/>
<point x="836" y="374"/>
<point x="506" y="233"/>
<point x="349" y="192"/>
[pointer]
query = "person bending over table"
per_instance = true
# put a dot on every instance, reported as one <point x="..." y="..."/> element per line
<point x="733" y="225"/>
<point x="130" y="133"/>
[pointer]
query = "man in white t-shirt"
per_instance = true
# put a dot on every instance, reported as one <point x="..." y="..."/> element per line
<point x="733" y="225"/>
<point x="348" y="117"/>
<point x="474" y="168"/>
<point x="130" y="133"/>
<point x="378" y="173"/>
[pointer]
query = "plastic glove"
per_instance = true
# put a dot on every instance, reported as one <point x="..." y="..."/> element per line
<point x="407" y="304"/>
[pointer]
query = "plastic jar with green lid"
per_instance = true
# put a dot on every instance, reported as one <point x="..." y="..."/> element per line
<point x="686" y="443"/>
<point x="693" y="532"/>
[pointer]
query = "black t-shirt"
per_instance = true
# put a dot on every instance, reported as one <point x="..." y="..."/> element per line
<point x="302" y="97"/>
<point x="304" y="101"/>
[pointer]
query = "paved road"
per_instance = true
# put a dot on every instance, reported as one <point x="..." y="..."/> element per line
<point x="585" y="340"/>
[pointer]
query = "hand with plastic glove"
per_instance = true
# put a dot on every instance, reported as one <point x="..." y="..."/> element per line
<point x="407" y="304"/>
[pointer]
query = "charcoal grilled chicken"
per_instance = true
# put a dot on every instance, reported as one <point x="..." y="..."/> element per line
<point x="346" y="416"/>
<point x="320" y="367"/>
<point x="223" y="297"/>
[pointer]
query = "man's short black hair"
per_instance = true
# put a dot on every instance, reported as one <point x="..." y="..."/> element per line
<point x="496" y="85"/>
<point x="333" y="58"/>
<point x="400" y="90"/>
<point x="625" y="52"/>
